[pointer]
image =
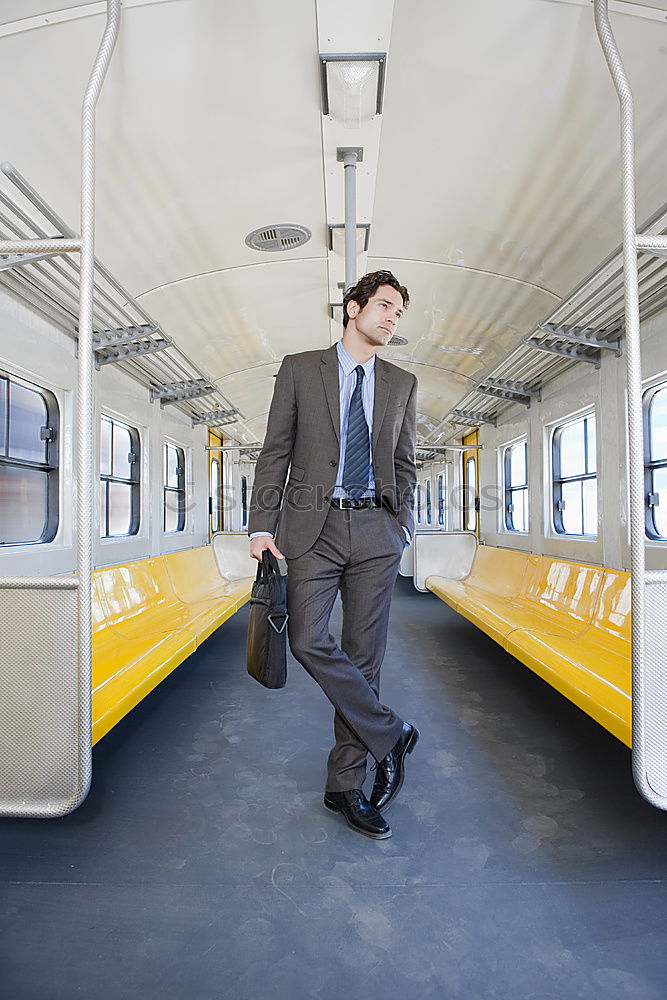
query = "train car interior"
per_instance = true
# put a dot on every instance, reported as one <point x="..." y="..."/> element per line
<point x="188" y="189"/>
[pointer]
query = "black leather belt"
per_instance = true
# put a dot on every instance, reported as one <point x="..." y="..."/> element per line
<point x="363" y="503"/>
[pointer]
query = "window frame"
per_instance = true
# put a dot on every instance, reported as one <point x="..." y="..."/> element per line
<point x="179" y="490"/>
<point x="244" y="501"/>
<point x="650" y="465"/>
<point x="440" y="492"/>
<point x="214" y="499"/>
<point x="557" y="480"/>
<point x="470" y="493"/>
<point x="51" y="466"/>
<point x="134" y="481"/>
<point x="216" y="461"/>
<point x="510" y="489"/>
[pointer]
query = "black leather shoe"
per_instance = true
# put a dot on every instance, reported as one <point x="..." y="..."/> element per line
<point x="358" y="812"/>
<point x="391" y="769"/>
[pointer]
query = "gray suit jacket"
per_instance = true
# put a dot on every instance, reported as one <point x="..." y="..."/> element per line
<point x="303" y="434"/>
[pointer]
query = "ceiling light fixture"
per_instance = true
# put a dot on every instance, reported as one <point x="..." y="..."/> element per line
<point x="352" y="86"/>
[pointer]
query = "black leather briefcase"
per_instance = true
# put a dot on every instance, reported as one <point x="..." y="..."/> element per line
<point x="266" y="650"/>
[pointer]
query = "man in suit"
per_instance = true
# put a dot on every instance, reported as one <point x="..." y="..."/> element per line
<point x="343" y="422"/>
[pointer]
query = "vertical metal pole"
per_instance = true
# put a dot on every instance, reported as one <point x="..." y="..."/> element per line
<point x="350" y="166"/>
<point x="634" y="377"/>
<point x="86" y="401"/>
<point x="350" y="157"/>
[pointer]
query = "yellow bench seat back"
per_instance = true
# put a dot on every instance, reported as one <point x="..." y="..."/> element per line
<point x="194" y="575"/>
<point x="139" y="599"/>
<point x="498" y="571"/>
<point x="560" y="594"/>
<point x="612" y="623"/>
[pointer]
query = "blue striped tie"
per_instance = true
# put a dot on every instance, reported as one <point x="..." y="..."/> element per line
<point x="357" y="467"/>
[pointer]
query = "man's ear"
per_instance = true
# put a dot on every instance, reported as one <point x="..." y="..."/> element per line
<point x="353" y="309"/>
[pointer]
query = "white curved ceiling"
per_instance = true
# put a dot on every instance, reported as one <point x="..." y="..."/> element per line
<point x="491" y="180"/>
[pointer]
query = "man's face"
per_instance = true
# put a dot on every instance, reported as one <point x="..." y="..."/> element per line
<point x="378" y="320"/>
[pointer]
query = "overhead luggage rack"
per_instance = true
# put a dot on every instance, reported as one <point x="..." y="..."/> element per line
<point x="42" y="268"/>
<point x="585" y="325"/>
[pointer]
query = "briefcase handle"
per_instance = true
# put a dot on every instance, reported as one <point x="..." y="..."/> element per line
<point x="273" y="564"/>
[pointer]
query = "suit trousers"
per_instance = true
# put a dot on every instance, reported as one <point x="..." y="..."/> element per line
<point x="357" y="553"/>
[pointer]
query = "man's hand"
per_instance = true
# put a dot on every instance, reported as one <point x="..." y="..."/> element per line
<point x="257" y="546"/>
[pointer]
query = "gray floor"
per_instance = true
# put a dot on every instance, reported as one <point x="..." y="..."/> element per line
<point x="523" y="864"/>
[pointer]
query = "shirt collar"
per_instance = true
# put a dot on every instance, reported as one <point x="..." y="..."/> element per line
<point x="348" y="364"/>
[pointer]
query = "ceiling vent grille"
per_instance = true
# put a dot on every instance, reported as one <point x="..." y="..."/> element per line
<point x="275" y="239"/>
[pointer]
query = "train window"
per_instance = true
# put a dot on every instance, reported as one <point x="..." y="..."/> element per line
<point x="515" y="476"/>
<point x="244" y="501"/>
<point x="418" y="501"/>
<point x="215" y="498"/>
<point x="655" y="437"/>
<point x="441" y="499"/>
<point x="575" y="501"/>
<point x="428" y="501"/>
<point x="119" y="478"/>
<point x="174" y="487"/>
<point x="471" y="495"/>
<point x="29" y="419"/>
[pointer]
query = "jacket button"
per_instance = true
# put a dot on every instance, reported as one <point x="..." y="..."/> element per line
<point x="333" y="462"/>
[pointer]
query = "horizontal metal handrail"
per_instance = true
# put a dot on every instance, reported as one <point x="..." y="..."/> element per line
<point x="56" y="245"/>
<point x="646" y="242"/>
<point x="39" y="583"/>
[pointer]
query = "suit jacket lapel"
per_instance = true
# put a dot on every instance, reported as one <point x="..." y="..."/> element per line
<point x="382" y="387"/>
<point x="329" y="369"/>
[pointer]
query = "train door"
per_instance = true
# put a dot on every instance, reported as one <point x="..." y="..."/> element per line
<point x="471" y="483"/>
<point x="215" y="483"/>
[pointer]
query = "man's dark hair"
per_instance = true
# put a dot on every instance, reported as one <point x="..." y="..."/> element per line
<point x="366" y="288"/>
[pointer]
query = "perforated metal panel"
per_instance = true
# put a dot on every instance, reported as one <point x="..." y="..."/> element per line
<point x="45" y="743"/>
<point x="650" y="694"/>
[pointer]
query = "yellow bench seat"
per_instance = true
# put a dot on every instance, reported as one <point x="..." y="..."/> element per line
<point x="141" y="601"/>
<point x="557" y="596"/>
<point x="507" y="590"/>
<point x="494" y="615"/>
<point x="143" y="627"/>
<point x="594" y="678"/>
<point x="126" y="670"/>
<point x="483" y="597"/>
<point x="593" y="669"/>
<point x="193" y="574"/>
<point x="138" y="599"/>
<point x="569" y="622"/>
